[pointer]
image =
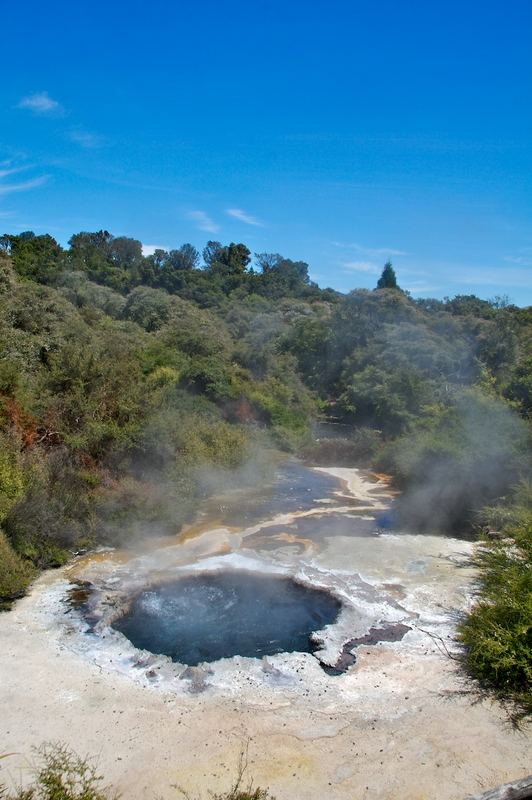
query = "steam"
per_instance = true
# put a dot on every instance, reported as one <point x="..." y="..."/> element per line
<point x="473" y="457"/>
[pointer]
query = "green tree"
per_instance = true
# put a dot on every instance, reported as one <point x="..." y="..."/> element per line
<point x="387" y="280"/>
<point x="37" y="257"/>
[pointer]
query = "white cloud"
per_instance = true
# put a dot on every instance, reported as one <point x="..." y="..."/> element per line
<point x="362" y="266"/>
<point x="237" y="213"/>
<point x="9" y="188"/>
<point x="372" y="252"/>
<point x="149" y="249"/>
<point x="40" y="103"/>
<point x="203" y="221"/>
<point x="85" y="139"/>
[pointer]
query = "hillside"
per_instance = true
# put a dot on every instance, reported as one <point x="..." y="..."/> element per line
<point x="132" y="386"/>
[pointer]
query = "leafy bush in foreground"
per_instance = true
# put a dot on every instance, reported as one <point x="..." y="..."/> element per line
<point x="498" y="630"/>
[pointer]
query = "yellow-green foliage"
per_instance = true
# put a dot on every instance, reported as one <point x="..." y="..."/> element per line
<point x="162" y="377"/>
<point x="11" y="476"/>
<point x="284" y="408"/>
<point x="15" y="573"/>
<point x="212" y="442"/>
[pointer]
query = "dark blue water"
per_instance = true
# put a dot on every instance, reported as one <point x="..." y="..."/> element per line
<point x="220" y="615"/>
<point x="295" y="488"/>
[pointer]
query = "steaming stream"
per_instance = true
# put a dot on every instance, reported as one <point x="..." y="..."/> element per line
<point x="345" y="668"/>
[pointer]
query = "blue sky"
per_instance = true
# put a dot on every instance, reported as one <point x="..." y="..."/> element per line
<point x="340" y="133"/>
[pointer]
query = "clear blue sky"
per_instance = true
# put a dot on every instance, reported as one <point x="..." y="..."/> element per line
<point x="341" y="133"/>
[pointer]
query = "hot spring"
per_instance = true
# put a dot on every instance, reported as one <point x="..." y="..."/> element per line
<point x="206" y="617"/>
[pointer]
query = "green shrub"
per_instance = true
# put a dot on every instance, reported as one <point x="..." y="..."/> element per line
<point x="15" y="574"/>
<point x="497" y="632"/>
<point x="11" y="475"/>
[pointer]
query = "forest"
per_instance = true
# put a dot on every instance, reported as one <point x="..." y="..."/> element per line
<point x="132" y="386"/>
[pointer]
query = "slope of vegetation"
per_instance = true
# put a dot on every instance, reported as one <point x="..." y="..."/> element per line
<point x="130" y="386"/>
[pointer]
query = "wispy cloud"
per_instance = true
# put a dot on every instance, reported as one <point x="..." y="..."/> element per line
<point x="24" y="186"/>
<point x="521" y="261"/>
<point x="40" y="103"/>
<point x="237" y="213"/>
<point x="149" y="249"/>
<point x="362" y="266"/>
<point x="203" y="221"/>
<point x="5" y="172"/>
<point x="90" y="141"/>
<point x="371" y="252"/>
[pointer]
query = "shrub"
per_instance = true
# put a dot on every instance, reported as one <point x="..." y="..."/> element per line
<point x="11" y="475"/>
<point x="498" y="631"/>
<point x="15" y="574"/>
<point x="60" y="774"/>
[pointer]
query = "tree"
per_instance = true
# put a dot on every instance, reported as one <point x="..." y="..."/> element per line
<point x="280" y="276"/>
<point x="106" y="259"/>
<point x="267" y="261"/>
<point x="39" y="258"/>
<point x="211" y="252"/>
<point x="387" y="280"/>
<point x="125" y="252"/>
<point x="187" y="257"/>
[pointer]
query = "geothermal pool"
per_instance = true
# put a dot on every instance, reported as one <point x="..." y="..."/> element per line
<point x="287" y="617"/>
<point x="299" y="567"/>
<point x="203" y="618"/>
